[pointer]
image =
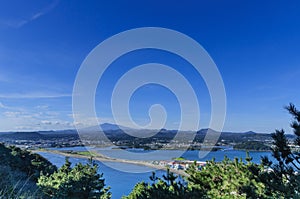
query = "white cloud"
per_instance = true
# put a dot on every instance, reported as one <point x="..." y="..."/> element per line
<point x="5" y="107"/>
<point x="32" y="119"/>
<point x="81" y="121"/>
<point x="55" y="124"/>
<point x="42" y="107"/>
<point x="17" y="114"/>
<point x="12" y="121"/>
<point x="23" y="20"/>
<point x="47" y="122"/>
<point x="33" y="95"/>
<point x="2" y="106"/>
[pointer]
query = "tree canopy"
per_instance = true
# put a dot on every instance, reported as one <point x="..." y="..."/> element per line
<point x="80" y="182"/>
<point x="282" y="177"/>
<point x="19" y="171"/>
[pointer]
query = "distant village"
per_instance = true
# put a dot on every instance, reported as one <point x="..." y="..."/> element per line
<point x="179" y="164"/>
<point x="117" y="138"/>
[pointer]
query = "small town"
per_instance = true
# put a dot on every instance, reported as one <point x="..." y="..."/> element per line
<point x="180" y="164"/>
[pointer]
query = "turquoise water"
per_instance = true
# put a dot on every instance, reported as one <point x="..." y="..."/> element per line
<point x="122" y="183"/>
<point x="219" y="155"/>
<point x="138" y="154"/>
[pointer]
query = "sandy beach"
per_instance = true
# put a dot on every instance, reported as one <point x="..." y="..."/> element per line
<point x="103" y="158"/>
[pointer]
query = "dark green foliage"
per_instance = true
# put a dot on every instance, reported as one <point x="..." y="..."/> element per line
<point x="19" y="170"/>
<point x="16" y="184"/>
<point x="79" y="182"/>
<point x="282" y="178"/>
<point x="21" y="160"/>
<point x="227" y="179"/>
<point x="252" y="145"/>
<point x="167" y="188"/>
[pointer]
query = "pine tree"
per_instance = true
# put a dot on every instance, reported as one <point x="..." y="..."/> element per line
<point x="79" y="182"/>
<point x="227" y="179"/>
<point x="167" y="187"/>
<point x="282" y="178"/>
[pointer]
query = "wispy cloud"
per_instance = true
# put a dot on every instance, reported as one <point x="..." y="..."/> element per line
<point x="17" y="23"/>
<point x="56" y="122"/>
<point x="33" y="95"/>
<point x="42" y="107"/>
<point x="31" y="119"/>
<point x="2" y="106"/>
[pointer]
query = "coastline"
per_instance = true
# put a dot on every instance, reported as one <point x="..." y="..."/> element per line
<point x="102" y="158"/>
<point x="252" y="150"/>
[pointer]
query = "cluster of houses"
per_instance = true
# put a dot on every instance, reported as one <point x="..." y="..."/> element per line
<point x="180" y="164"/>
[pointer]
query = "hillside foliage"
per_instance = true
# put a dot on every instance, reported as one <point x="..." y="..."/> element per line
<point x="19" y="172"/>
<point x="79" y="182"/>
<point x="283" y="176"/>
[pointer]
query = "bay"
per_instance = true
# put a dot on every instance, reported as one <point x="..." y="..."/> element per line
<point x="122" y="183"/>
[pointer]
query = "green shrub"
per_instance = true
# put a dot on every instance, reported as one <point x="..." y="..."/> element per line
<point x="79" y="182"/>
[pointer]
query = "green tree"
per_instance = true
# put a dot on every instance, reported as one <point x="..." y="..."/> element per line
<point x="16" y="184"/>
<point x="19" y="170"/>
<point x="79" y="182"/>
<point x="22" y="160"/>
<point x="282" y="178"/>
<point x="227" y="179"/>
<point x="167" y="187"/>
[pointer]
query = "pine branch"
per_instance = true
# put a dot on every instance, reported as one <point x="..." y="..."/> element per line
<point x="293" y="111"/>
<point x="297" y="160"/>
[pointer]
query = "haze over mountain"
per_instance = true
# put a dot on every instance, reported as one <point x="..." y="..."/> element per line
<point x="117" y="129"/>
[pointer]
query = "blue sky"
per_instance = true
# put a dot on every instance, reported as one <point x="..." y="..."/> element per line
<point x="255" y="45"/>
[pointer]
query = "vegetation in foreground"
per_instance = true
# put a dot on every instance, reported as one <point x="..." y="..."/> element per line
<point x="19" y="172"/>
<point x="236" y="179"/>
<point x="27" y="175"/>
<point x="228" y="179"/>
<point x="79" y="182"/>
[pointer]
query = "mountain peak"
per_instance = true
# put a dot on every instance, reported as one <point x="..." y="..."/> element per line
<point x="250" y="132"/>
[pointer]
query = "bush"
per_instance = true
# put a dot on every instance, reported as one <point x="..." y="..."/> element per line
<point x="79" y="182"/>
<point x="24" y="161"/>
<point x="167" y="188"/>
<point x="16" y="184"/>
<point x="19" y="171"/>
<point x="282" y="177"/>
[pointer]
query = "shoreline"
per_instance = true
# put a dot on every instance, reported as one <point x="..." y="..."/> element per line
<point x="102" y="158"/>
<point x="214" y="149"/>
<point x="253" y="150"/>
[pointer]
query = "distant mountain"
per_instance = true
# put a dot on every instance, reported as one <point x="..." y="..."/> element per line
<point x="61" y="132"/>
<point x="106" y="127"/>
<point x="117" y="130"/>
<point x="204" y="131"/>
<point x="24" y="136"/>
<point x="113" y="127"/>
<point x="40" y="135"/>
<point x="250" y="133"/>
